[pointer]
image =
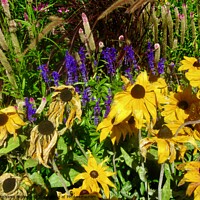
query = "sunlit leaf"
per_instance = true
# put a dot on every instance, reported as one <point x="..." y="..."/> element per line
<point x="30" y="163"/>
<point x="128" y="160"/>
<point x="55" y="181"/>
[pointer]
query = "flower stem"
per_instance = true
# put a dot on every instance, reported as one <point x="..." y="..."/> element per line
<point x="55" y="168"/>
<point x="79" y="145"/>
<point x="160" y="181"/>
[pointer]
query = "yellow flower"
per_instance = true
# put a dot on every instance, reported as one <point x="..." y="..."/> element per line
<point x="179" y="105"/>
<point x="65" y="101"/>
<point x="10" y="121"/>
<point x="81" y="191"/>
<point x="193" y="77"/>
<point x="166" y="144"/>
<point x="42" y="141"/>
<point x="138" y="100"/>
<point x="192" y="176"/>
<point x="108" y="126"/>
<point x="11" y="186"/>
<point x="189" y="63"/>
<point x="96" y="173"/>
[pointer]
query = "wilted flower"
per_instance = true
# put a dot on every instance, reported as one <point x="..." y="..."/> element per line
<point x="10" y="121"/>
<point x="11" y="186"/>
<point x="65" y="101"/>
<point x="43" y="138"/>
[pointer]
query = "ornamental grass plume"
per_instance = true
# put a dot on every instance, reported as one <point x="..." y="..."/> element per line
<point x="10" y="121"/>
<point x="96" y="174"/>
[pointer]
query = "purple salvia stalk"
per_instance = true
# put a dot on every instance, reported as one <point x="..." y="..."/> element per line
<point x="150" y="57"/>
<point x="161" y="66"/>
<point x="97" y="111"/>
<point x="109" y="55"/>
<point x="71" y="67"/>
<point x="108" y="103"/>
<point x="44" y="72"/>
<point x="30" y="110"/>
<point x="86" y="96"/>
<point x="82" y="65"/>
<point x="129" y="58"/>
<point x="128" y="73"/>
<point x="55" y="76"/>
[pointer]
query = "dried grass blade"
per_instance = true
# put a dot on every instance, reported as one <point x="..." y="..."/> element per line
<point x="56" y="21"/>
<point x="3" y="42"/>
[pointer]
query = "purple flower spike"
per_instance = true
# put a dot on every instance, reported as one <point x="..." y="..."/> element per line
<point x="83" y="66"/>
<point x="129" y="58"/>
<point x="86" y="96"/>
<point x="55" y="77"/>
<point x="71" y="67"/>
<point x="109" y="55"/>
<point x="97" y="111"/>
<point x="161" y="66"/>
<point x="30" y="110"/>
<point x="44" y="72"/>
<point x="150" y="57"/>
<point x="108" y="103"/>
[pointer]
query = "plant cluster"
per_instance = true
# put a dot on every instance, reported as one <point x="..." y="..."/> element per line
<point x="97" y="113"/>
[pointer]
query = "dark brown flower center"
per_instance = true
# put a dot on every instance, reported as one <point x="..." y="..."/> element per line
<point x="113" y="120"/>
<point x="66" y="95"/>
<point x="9" y="185"/>
<point x="138" y="92"/>
<point x="3" y="119"/>
<point x="46" y="127"/>
<point x="94" y="174"/>
<point x="131" y="120"/>
<point x="196" y="64"/>
<point x="83" y="192"/>
<point x="165" y="132"/>
<point x="183" y="105"/>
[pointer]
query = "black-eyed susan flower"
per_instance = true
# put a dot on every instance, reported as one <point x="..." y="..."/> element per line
<point x="65" y="103"/>
<point x="166" y="143"/>
<point x="10" y="186"/>
<point x="179" y="105"/>
<point x="84" y="192"/>
<point x="116" y="131"/>
<point x="42" y="141"/>
<point x="10" y="121"/>
<point x="192" y="176"/>
<point x="189" y="63"/>
<point x="138" y="100"/>
<point x="96" y="174"/>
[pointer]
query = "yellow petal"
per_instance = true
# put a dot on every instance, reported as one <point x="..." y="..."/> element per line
<point x="163" y="150"/>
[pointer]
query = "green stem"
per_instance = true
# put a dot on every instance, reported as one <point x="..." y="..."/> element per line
<point x="161" y="181"/>
<point x="79" y="145"/>
<point x="55" y="168"/>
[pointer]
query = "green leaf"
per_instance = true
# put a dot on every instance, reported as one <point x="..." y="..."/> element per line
<point x="13" y="143"/>
<point x="37" y="179"/>
<point x="166" y="191"/>
<point x="142" y="173"/>
<point x="55" y="181"/>
<point x="30" y="163"/>
<point x="128" y="160"/>
<point x="61" y="146"/>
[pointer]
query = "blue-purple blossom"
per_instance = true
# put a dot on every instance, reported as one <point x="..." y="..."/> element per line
<point x="71" y="68"/>
<point x="128" y="73"/>
<point x="86" y="96"/>
<point x="97" y="111"/>
<point x="55" y="76"/>
<point x="30" y="110"/>
<point x="44" y="72"/>
<point x="82" y="65"/>
<point x="108" y="103"/>
<point x="110" y="55"/>
<point x="161" y="66"/>
<point x="150" y="57"/>
<point x="129" y="58"/>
